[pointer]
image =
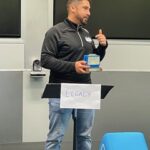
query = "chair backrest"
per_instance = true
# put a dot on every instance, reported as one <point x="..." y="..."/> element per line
<point x="123" y="141"/>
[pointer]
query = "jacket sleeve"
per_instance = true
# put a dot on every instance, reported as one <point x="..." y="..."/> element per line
<point x="49" y="54"/>
<point x="101" y="51"/>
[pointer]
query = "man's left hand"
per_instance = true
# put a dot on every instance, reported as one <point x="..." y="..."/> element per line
<point x="101" y="38"/>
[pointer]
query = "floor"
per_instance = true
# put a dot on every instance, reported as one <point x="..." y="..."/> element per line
<point x="36" y="146"/>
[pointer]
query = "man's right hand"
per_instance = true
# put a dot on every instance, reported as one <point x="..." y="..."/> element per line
<point x="81" y="67"/>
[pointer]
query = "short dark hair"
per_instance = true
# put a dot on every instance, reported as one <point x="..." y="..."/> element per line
<point x="70" y="1"/>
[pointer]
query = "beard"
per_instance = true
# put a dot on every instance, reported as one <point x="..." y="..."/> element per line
<point x="83" y="20"/>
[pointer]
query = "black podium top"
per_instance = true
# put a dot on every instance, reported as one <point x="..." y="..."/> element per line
<point x="52" y="90"/>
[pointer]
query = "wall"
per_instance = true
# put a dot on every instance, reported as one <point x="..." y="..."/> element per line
<point x="126" y="107"/>
<point x="11" y="106"/>
<point x="126" y="66"/>
<point x="16" y="60"/>
<point x="127" y="55"/>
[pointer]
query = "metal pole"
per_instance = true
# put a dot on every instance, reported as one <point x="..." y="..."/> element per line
<point x="74" y="129"/>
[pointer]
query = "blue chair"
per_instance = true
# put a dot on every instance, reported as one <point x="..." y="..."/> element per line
<point x="123" y="141"/>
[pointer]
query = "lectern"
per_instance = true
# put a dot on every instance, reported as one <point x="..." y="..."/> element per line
<point x="52" y="90"/>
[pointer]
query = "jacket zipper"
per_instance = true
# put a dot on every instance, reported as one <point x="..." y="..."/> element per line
<point x="80" y="36"/>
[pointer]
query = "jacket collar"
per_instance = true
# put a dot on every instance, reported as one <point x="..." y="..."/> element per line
<point x="72" y="24"/>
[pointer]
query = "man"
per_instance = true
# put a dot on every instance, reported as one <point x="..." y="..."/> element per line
<point x="63" y="50"/>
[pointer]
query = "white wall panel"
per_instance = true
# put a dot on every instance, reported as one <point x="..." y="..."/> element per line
<point x="12" y="56"/>
<point x="35" y="109"/>
<point x="127" y="56"/>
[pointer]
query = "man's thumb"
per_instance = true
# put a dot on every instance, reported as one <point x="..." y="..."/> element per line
<point x="100" y="31"/>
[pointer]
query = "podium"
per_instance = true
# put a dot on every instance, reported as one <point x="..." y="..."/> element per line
<point x="52" y="90"/>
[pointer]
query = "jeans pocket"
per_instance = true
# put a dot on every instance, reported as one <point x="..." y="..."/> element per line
<point x="54" y="105"/>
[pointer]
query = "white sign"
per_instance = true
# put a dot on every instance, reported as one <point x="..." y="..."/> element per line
<point x="80" y="96"/>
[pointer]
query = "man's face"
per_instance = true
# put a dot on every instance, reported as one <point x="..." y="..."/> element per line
<point x="82" y="12"/>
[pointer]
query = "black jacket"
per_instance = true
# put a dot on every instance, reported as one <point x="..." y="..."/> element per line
<point x="64" y="44"/>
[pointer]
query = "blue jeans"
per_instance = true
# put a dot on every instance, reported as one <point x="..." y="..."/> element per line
<point x="59" y="119"/>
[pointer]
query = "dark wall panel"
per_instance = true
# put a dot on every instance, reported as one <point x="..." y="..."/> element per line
<point x="118" y="19"/>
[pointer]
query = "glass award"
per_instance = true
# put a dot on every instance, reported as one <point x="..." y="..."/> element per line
<point x="93" y="61"/>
